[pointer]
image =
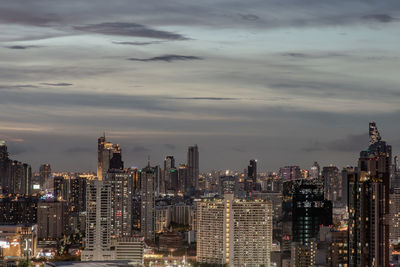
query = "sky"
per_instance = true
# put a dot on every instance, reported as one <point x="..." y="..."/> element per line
<point x="286" y="82"/>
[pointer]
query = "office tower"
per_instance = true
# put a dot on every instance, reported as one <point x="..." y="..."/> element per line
<point x="18" y="210"/>
<point x="394" y="223"/>
<point x="105" y="152"/>
<point x="184" y="182"/>
<point x="332" y="184"/>
<point x="98" y="222"/>
<point x="369" y="204"/>
<point x="252" y="170"/>
<point x="193" y="165"/>
<point x="234" y="232"/>
<point x="314" y="171"/>
<point x="290" y="173"/>
<point x="310" y="210"/>
<point x="52" y="219"/>
<point x="148" y="180"/>
<point x="121" y="202"/>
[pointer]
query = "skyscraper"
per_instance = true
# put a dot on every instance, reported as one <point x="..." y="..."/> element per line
<point x="234" y="232"/>
<point x="105" y="152"/>
<point x="121" y="202"/>
<point x="193" y="165"/>
<point x="15" y="176"/>
<point x="148" y="186"/>
<point x="369" y="204"/>
<point x="310" y="210"/>
<point x="98" y="222"/>
<point x="252" y="170"/>
<point x="332" y="183"/>
<point x="169" y="164"/>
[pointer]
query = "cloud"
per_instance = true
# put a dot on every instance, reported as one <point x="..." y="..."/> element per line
<point x="18" y="86"/>
<point x="205" y="98"/>
<point x="249" y="17"/>
<point x="129" y="29"/>
<point x="166" y="58"/>
<point x="17" y="148"/>
<point x="57" y="84"/>
<point x="137" y="43"/>
<point x="22" y="47"/>
<point x="384" y="18"/>
<point x="350" y="143"/>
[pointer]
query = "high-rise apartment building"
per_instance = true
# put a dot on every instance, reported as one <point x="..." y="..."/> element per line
<point x="105" y="152"/>
<point x="52" y="219"/>
<point x="148" y="183"/>
<point x="98" y="222"/>
<point x="121" y="202"/>
<point x="234" y="232"/>
<point x="193" y="165"/>
<point x="369" y="204"/>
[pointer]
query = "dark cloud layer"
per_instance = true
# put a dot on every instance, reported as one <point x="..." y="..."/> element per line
<point x="57" y="84"/>
<point x="350" y="143"/>
<point x="137" y="43"/>
<point x="22" y="47"/>
<point x="167" y="58"/>
<point x="384" y="18"/>
<point x="129" y="29"/>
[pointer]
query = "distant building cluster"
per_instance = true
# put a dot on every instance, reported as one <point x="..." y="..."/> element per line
<point x="174" y="215"/>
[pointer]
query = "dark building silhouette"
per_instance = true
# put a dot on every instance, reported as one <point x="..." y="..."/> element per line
<point x="369" y="204"/>
<point x="310" y="210"/>
<point x="252" y="170"/>
<point x="193" y="165"/>
<point x="15" y="176"/>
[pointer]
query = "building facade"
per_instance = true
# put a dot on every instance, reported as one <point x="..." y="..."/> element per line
<point x="234" y="232"/>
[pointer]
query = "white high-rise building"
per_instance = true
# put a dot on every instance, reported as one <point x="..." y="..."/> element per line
<point x="234" y="232"/>
<point x="98" y="222"/>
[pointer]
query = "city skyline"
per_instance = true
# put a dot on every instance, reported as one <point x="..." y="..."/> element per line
<point x="286" y="83"/>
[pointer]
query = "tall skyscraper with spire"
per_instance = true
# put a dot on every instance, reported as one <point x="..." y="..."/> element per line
<point x="369" y="204"/>
<point x="193" y="165"/>
<point x="106" y="152"/>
